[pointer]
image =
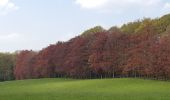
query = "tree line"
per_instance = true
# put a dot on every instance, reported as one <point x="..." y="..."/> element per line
<point x="137" y="49"/>
<point x="7" y="65"/>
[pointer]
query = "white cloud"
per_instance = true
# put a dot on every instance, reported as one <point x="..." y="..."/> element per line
<point x="9" y="37"/>
<point x="91" y="4"/>
<point x="167" y="6"/>
<point x="7" y="6"/>
<point x="96" y="4"/>
<point x="126" y="6"/>
<point x="3" y="2"/>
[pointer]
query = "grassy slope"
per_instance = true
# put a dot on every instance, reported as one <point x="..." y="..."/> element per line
<point x="67" y="89"/>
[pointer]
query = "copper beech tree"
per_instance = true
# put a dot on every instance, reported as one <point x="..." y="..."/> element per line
<point x="139" y="49"/>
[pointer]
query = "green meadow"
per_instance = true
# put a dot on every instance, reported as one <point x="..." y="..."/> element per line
<point x="96" y="89"/>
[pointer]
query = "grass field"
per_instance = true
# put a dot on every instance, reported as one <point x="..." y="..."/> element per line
<point x="68" y="89"/>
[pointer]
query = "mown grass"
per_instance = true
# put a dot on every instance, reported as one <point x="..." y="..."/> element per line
<point x="97" y="89"/>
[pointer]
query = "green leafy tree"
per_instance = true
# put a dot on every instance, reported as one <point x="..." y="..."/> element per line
<point x="162" y="23"/>
<point x="114" y="29"/>
<point x="7" y="63"/>
<point x="92" y="31"/>
<point x="130" y="27"/>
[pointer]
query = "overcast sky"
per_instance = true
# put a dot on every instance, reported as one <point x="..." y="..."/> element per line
<point x="34" y="24"/>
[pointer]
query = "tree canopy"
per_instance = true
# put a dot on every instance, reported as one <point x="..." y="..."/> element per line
<point x="137" y="49"/>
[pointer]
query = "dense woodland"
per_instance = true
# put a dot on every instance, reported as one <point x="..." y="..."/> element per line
<point x="136" y="49"/>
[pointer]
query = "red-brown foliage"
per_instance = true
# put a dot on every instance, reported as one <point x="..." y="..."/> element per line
<point x="103" y="54"/>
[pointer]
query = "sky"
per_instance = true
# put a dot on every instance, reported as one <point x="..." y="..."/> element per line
<point x="35" y="24"/>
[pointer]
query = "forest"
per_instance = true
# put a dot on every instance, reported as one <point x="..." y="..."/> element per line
<point x="139" y="49"/>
